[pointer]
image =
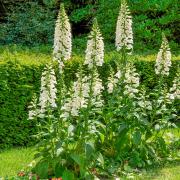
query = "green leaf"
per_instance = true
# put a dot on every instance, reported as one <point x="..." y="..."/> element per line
<point x="137" y="137"/>
<point x="37" y="155"/>
<point x="102" y="137"/>
<point x="68" y="175"/>
<point x="101" y="159"/>
<point x="59" y="170"/>
<point x="41" y="169"/>
<point x="122" y="138"/>
<point x="89" y="149"/>
<point x="79" y="159"/>
<point x="127" y="168"/>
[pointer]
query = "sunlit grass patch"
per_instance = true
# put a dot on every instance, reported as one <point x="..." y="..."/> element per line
<point x="14" y="160"/>
<point x="43" y="54"/>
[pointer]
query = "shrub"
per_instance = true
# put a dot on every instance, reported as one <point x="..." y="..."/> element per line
<point x="149" y="21"/>
<point x="20" y="73"/>
<point x="98" y="128"/>
<point x="16" y="87"/>
<point x="29" y="24"/>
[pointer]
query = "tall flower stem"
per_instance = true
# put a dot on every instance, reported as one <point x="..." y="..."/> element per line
<point x="89" y="105"/>
<point x="51" y="125"/>
<point x="94" y="57"/>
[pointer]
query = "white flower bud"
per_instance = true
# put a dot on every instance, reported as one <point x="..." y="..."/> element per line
<point x="62" y="38"/>
<point x="131" y="81"/>
<point x="124" y="33"/>
<point x="48" y="92"/>
<point x="95" y="48"/>
<point x="163" y="60"/>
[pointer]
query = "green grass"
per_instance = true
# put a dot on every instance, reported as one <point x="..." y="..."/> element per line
<point x="14" y="160"/>
<point x="168" y="172"/>
<point x="43" y="54"/>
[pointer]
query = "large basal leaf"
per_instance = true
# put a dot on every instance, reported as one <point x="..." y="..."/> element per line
<point x="79" y="159"/>
<point x="59" y="170"/>
<point x="122" y="138"/>
<point x="41" y="169"/>
<point x="89" y="149"/>
<point x="68" y="175"/>
<point x="137" y="137"/>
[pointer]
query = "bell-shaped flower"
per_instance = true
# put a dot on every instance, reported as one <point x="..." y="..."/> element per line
<point x="131" y="81"/>
<point x="77" y="97"/>
<point x="124" y="32"/>
<point x="95" y="48"/>
<point x="97" y="89"/>
<point x="174" y="92"/>
<point x="48" y="91"/>
<point x="33" y="110"/>
<point x="113" y="80"/>
<point x="62" y="38"/>
<point x="163" y="60"/>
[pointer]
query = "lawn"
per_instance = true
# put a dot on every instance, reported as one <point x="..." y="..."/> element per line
<point x="168" y="172"/>
<point x="43" y="54"/>
<point x="14" y="160"/>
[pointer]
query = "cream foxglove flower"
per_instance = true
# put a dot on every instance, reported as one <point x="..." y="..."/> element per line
<point x="95" y="48"/>
<point x="33" y="111"/>
<point x="124" y="33"/>
<point x="163" y="60"/>
<point x="48" y="91"/>
<point x="97" y="89"/>
<point x="175" y="89"/>
<point x="113" y="81"/>
<point x="62" y="38"/>
<point x="131" y="81"/>
<point x="143" y="101"/>
<point x="81" y="94"/>
<point x="78" y="98"/>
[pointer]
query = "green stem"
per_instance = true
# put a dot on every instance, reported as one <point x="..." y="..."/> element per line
<point x="156" y="104"/>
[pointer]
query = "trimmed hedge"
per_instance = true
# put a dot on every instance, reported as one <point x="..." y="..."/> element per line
<point x="19" y="81"/>
<point x="16" y="86"/>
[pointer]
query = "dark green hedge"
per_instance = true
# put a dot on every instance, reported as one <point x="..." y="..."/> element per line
<point x="16" y="86"/>
<point x="150" y="18"/>
<point x="18" y="82"/>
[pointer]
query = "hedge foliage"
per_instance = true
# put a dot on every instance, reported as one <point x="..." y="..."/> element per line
<point x="32" y="22"/>
<point x="20" y="75"/>
<point x="17" y="84"/>
<point x="150" y="18"/>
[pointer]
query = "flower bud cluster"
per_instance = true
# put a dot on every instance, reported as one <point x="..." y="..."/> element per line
<point x="95" y="48"/>
<point x="48" y="91"/>
<point x="62" y="38"/>
<point x="131" y="81"/>
<point x="124" y="33"/>
<point x="113" y="81"/>
<point x="163" y="60"/>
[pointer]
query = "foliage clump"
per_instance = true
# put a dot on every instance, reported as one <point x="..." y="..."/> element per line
<point x="32" y="23"/>
<point x="92" y="130"/>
